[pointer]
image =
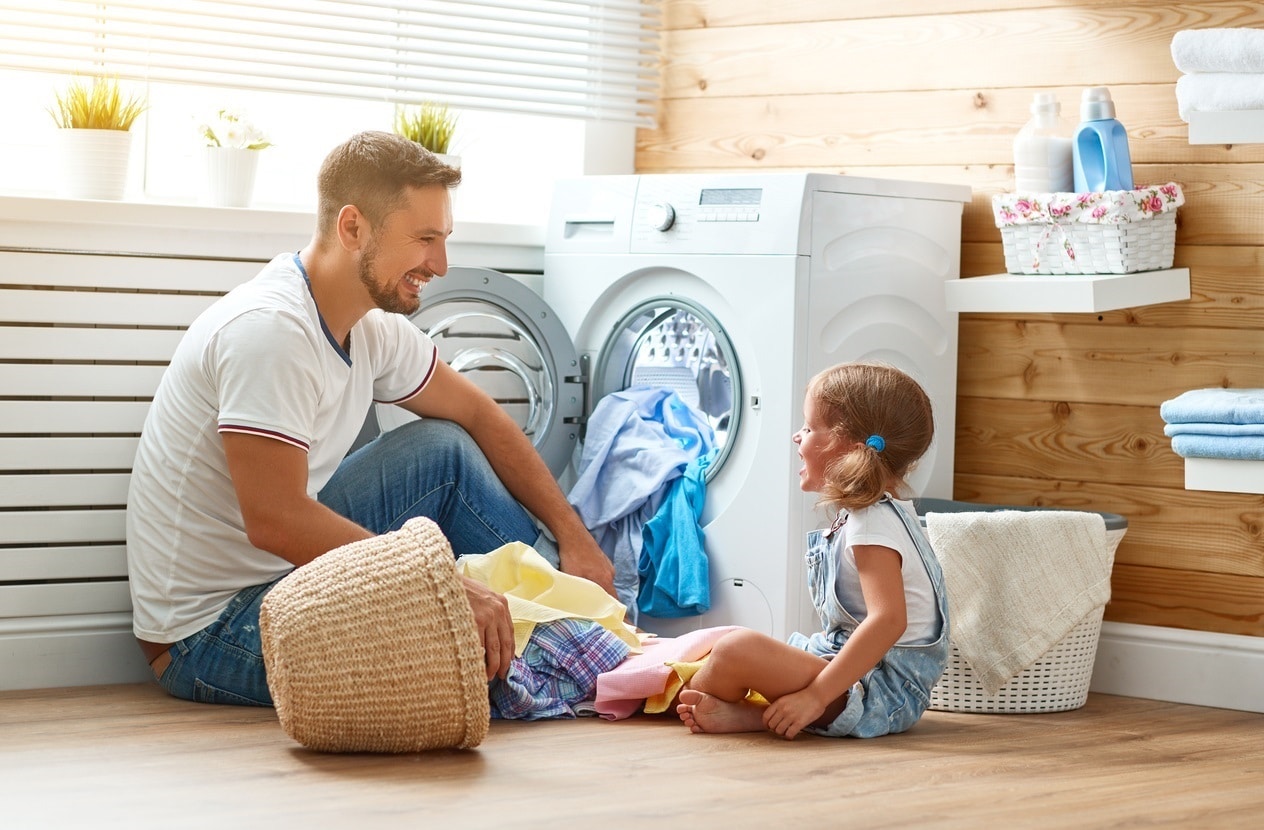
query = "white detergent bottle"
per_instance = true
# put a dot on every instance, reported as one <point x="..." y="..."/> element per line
<point x="1101" y="158"/>
<point x="1042" y="149"/>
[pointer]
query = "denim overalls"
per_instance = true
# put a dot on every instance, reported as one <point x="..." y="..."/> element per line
<point x="895" y="693"/>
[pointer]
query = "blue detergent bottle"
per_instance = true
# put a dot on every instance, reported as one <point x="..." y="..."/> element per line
<point x="1100" y="150"/>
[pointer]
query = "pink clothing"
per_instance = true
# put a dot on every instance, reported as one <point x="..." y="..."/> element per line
<point x="623" y="690"/>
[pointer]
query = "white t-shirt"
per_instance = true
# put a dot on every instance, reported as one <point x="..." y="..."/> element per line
<point x="877" y="525"/>
<point x="259" y="361"/>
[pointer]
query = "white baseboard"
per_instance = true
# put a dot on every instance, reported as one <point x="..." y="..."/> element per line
<point x="73" y="650"/>
<point x="1225" y="671"/>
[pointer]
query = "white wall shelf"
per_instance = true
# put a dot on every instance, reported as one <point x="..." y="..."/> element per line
<point x="1047" y="293"/>
<point x="1233" y="127"/>
<point x="1224" y="475"/>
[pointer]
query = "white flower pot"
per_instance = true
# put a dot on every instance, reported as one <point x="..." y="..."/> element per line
<point x="93" y="163"/>
<point x="230" y="176"/>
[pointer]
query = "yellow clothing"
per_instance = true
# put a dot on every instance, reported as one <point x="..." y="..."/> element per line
<point x="682" y="673"/>
<point x="537" y="592"/>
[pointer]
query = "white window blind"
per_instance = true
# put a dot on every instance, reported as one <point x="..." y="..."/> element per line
<point x="590" y="59"/>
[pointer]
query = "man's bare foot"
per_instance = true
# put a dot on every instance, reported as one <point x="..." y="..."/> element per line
<point x="702" y="712"/>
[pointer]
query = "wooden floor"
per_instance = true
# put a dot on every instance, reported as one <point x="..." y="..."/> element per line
<point x="129" y="756"/>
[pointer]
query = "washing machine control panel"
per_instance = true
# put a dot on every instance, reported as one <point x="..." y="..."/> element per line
<point x="710" y="204"/>
<point x="702" y="214"/>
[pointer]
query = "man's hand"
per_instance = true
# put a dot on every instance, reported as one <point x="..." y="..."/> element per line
<point x="495" y="626"/>
<point x="583" y="557"/>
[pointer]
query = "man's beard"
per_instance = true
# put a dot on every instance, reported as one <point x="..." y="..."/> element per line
<point x="384" y="299"/>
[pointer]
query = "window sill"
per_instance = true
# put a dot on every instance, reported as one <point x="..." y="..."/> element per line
<point x="149" y="228"/>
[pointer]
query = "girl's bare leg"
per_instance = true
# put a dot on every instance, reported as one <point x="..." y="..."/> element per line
<point x="715" y="699"/>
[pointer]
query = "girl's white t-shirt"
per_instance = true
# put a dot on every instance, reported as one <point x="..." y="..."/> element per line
<point x="259" y="361"/>
<point x="878" y="525"/>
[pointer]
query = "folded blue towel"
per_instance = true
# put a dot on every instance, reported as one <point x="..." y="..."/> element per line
<point x="1219" y="406"/>
<point x="1213" y="429"/>
<point x="1241" y="447"/>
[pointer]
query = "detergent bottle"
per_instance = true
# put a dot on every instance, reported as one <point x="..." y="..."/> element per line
<point x="1042" y="149"/>
<point x="1100" y="149"/>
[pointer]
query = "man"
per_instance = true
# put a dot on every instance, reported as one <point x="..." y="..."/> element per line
<point x="240" y="475"/>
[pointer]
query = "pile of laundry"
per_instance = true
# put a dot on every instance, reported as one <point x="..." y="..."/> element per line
<point x="640" y="490"/>
<point x="1224" y="70"/>
<point x="574" y="652"/>
<point x="1216" y="423"/>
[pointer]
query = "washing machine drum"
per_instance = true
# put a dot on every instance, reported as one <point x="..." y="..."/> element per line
<point x="502" y="336"/>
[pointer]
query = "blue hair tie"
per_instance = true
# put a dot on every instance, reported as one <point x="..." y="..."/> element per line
<point x="876" y="442"/>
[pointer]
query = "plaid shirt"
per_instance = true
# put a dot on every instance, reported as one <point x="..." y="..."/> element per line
<point x="557" y="669"/>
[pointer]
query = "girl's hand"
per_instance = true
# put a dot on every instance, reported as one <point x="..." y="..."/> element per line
<point x="789" y="714"/>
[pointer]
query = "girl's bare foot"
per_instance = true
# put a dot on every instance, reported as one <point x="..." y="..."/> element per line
<point x="702" y="712"/>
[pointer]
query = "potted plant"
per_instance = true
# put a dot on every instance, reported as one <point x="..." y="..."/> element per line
<point x="232" y="157"/>
<point x="431" y="125"/>
<point x="94" y="120"/>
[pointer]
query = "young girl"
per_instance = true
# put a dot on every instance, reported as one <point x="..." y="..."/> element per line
<point x="873" y="578"/>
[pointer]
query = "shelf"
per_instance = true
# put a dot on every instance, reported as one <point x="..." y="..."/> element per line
<point x="1225" y="475"/>
<point x="1230" y="127"/>
<point x="1045" y="293"/>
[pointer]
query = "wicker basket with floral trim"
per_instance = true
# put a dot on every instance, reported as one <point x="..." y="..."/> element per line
<point x="1115" y="232"/>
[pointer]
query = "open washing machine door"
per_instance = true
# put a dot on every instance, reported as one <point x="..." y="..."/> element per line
<point x="502" y="336"/>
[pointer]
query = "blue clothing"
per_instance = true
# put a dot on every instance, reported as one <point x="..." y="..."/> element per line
<point x="674" y="573"/>
<point x="638" y="441"/>
<point x="893" y="695"/>
<point x="557" y="670"/>
<point x="426" y="468"/>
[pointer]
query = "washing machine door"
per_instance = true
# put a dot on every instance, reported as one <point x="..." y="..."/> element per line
<point x="502" y="336"/>
<point x="676" y="343"/>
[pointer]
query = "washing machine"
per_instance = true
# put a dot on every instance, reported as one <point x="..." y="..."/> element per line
<point x="733" y="290"/>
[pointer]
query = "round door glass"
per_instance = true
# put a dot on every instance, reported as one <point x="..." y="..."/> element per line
<point x="673" y="344"/>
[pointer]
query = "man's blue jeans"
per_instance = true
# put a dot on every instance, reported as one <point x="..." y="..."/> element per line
<point x="426" y="468"/>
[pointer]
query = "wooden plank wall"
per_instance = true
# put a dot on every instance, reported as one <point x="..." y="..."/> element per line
<point x="1052" y="409"/>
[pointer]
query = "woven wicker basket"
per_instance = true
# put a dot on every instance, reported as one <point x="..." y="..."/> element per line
<point x="1083" y="248"/>
<point x="1056" y="682"/>
<point x="373" y="647"/>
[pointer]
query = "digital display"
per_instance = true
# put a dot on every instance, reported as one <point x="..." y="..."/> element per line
<point x="731" y="196"/>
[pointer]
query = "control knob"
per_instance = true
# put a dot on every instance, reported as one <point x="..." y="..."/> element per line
<point x="662" y="216"/>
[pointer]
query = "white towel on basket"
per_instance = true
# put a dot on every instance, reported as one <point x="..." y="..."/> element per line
<point x="1219" y="50"/>
<point x="1219" y="92"/>
<point x="1018" y="581"/>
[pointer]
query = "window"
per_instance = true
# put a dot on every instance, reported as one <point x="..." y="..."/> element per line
<point x="539" y="86"/>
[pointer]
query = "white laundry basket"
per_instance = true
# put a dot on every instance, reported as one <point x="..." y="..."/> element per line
<point x="1059" y="679"/>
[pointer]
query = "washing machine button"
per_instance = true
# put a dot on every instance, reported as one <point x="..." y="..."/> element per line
<point x="662" y="216"/>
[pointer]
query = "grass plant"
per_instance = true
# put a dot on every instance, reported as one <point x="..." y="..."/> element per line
<point x="95" y="105"/>
<point x="431" y="125"/>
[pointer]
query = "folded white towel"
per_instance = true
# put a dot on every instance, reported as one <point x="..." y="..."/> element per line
<point x="1218" y="92"/>
<point x="1018" y="581"/>
<point x="1219" y="50"/>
